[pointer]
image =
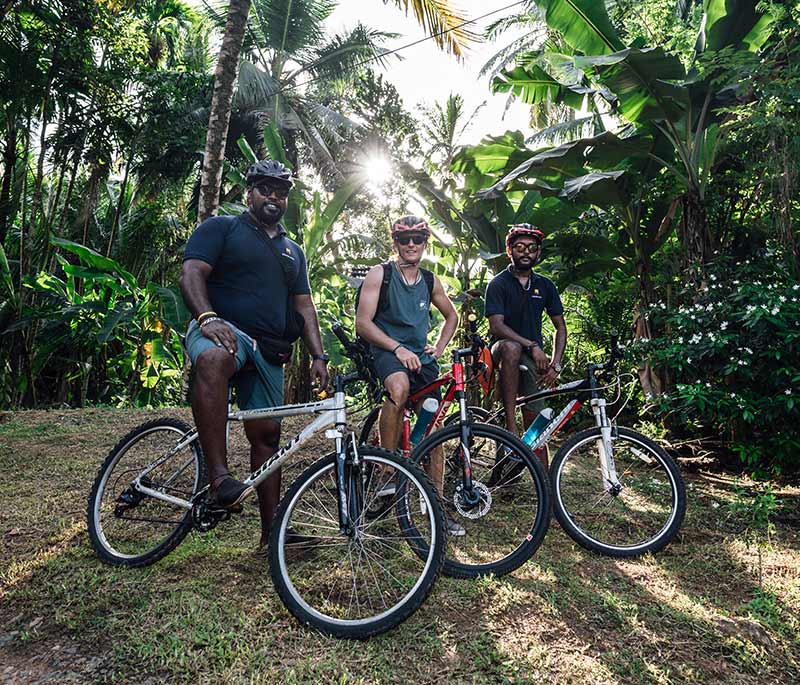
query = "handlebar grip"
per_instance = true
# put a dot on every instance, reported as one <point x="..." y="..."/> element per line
<point x="338" y="331"/>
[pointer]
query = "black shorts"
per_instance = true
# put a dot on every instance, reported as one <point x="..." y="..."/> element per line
<point x="386" y="363"/>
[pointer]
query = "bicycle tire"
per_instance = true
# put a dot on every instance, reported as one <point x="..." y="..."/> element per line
<point x="147" y="441"/>
<point x="368" y="435"/>
<point x="292" y="537"/>
<point x="568" y="468"/>
<point x="529" y="490"/>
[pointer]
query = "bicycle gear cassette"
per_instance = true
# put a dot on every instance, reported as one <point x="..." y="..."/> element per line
<point x="481" y="508"/>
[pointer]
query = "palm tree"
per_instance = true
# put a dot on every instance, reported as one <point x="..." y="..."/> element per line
<point x="287" y="44"/>
<point x="220" y="115"/>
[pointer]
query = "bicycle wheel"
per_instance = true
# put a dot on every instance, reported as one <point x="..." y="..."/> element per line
<point x="368" y="435"/>
<point x="508" y="523"/>
<point x="643" y="516"/>
<point x="358" y="585"/>
<point x="127" y="527"/>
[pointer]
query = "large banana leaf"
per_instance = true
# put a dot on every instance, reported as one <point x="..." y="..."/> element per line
<point x="548" y="213"/>
<point x="583" y="23"/>
<point x="95" y="259"/>
<point x="533" y="85"/>
<point x="599" y="188"/>
<point x="322" y="220"/>
<point x="733" y="23"/>
<point x="638" y="78"/>
<point x="569" y="160"/>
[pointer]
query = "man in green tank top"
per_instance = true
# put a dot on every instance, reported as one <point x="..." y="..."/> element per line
<point x="397" y="330"/>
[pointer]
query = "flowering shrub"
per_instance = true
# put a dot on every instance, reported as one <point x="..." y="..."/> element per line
<point x="732" y="356"/>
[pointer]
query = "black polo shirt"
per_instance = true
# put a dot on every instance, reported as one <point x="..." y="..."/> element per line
<point x="522" y="307"/>
<point x="247" y="285"/>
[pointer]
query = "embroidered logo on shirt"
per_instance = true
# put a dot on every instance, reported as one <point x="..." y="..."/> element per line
<point x="422" y="305"/>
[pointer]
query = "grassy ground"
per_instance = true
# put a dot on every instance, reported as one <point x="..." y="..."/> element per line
<point x="207" y="613"/>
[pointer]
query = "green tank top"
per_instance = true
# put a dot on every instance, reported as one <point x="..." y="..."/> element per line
<point x="406" y="318"/>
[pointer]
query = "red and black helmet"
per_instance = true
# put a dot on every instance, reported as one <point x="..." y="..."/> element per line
<point x="523" y="231"/>
<point x="410" y="224"/>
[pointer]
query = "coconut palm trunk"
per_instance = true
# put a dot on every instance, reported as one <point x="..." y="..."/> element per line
<point x="220" y="115"/>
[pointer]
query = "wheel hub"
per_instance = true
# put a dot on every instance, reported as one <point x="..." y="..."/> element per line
<point x="475" y="504"/>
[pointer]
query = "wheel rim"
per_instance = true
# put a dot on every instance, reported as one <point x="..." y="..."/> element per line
<point x="352" y="582"/>
<point x="643" y="511"/>
<point x="497" y="527"/>
<point x="148" y="524"/>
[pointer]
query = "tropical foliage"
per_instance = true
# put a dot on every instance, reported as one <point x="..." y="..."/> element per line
<point x="663" y="166"/>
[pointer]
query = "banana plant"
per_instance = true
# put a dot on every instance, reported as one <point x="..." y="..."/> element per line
<point x="682" y="112"/>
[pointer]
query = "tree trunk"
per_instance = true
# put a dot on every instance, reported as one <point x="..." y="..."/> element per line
<point x="220" y="115"/>
<point x="9" y="165"/>
<point x="696" y="238"/>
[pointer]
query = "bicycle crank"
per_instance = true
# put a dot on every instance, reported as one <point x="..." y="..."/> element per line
<point x="481" y="497"/>
<point x="205" y="517"/>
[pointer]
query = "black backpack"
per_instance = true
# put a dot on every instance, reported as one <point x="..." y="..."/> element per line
<point x="383" y="297"/>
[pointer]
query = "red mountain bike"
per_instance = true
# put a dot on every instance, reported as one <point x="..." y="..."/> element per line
<point x="504" y="519"/>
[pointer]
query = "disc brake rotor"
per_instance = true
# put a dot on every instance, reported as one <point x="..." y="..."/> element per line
<point x="481" y="508"/>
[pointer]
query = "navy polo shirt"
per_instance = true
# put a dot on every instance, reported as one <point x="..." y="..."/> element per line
<point x="522" y="308"/>
<point x="247" y="285"/>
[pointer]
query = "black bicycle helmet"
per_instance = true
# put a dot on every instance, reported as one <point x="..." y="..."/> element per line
<point x="269" y="170"/>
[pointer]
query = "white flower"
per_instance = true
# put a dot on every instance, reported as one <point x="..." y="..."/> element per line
<point x="688" y="360"/>
<point x="782" y="298"/>
<point x="708" y="385"/>
<point x="715" y="505"/>
<point x="741" y="362"/>
<point x="680" y="341"/>
<point x="774" y="311"/>
<point x="732" y="395"/>
<point x="796" y="286"/>
<point x="713" y="277"/>
<point x="723" y="325"/>
<point x="788" y="391"/>
<point x="662" y="305"/>
<point x="748" y="350"/>
<point x="736" y="282"/>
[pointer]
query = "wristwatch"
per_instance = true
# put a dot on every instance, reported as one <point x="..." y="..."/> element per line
<point x="556" y="367"/>
<point x="321" y="357"/>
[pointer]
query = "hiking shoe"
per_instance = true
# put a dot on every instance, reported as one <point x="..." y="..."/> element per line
<point x="230" y="493"/>
<point x="454" y="528"/>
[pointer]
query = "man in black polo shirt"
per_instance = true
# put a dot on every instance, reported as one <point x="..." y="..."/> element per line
<point x="242" y="280"/>
<point x="515" y="302"/>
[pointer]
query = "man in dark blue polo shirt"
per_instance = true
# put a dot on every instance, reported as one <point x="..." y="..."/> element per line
<point x="516" y="299"/>
<point x="243" y="280"/>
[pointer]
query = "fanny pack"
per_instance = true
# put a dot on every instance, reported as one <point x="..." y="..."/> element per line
<point x="275" y="351"/>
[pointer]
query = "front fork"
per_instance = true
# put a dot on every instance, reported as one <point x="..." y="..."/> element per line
<point x="468" y="493"/>
<point x="347" y="488"/>
<point x="608" y="470"/>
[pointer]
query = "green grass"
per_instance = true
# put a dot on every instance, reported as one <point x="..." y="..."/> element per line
<point x="208" y="612"/>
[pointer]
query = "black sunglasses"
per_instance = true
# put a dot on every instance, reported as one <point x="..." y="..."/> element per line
<point x="406" y="239"/>
<point x="530" y="247"/>
<point x="267" y="189"/>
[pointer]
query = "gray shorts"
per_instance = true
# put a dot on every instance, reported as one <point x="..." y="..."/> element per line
<point x="528" y="378"/>
<point x="260" y="385"/>
<point x="386" y="363"/>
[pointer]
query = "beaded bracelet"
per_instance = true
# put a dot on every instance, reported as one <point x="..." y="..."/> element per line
<point x="209" y="320"/>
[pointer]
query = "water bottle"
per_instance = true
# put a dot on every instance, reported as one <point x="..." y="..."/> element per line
<point x="543" y="418"/>
<point x="424" y="418"/>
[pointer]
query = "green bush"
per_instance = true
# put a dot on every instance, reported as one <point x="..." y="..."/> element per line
<point x="732" y="354"/>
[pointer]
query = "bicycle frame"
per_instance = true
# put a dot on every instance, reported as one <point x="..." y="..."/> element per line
<point x="598" y="404"/>
<point x="330" y="412"/>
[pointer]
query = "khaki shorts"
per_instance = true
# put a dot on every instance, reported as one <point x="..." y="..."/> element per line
<point x="528" y="378"/>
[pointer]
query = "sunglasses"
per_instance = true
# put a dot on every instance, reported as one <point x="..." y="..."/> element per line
<point x="267" y="189"/>
<point x="529" y="247"/>
<point x="406" y="239"/>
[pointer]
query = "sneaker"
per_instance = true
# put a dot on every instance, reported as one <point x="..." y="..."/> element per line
<point x="454" y="528"/>
<point x="229" y="494"/>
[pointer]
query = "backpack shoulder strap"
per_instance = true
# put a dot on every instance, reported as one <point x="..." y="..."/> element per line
<point x="288" y="277"/>
<point x="383" y="297"/>
<point x="429" y="281"/>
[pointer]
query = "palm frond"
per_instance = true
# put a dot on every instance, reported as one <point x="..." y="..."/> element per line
<point x="343" y="55"/>
<point x="566" y="131"/>
<point x="290" y="26"/>
<point x="443" y="22"/>
<point x="528" y="44"/>
<point x="256" y="88"/>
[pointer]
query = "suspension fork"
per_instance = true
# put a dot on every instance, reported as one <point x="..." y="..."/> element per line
<point x="345" y="496"/>
<point x="608" y="469"/>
